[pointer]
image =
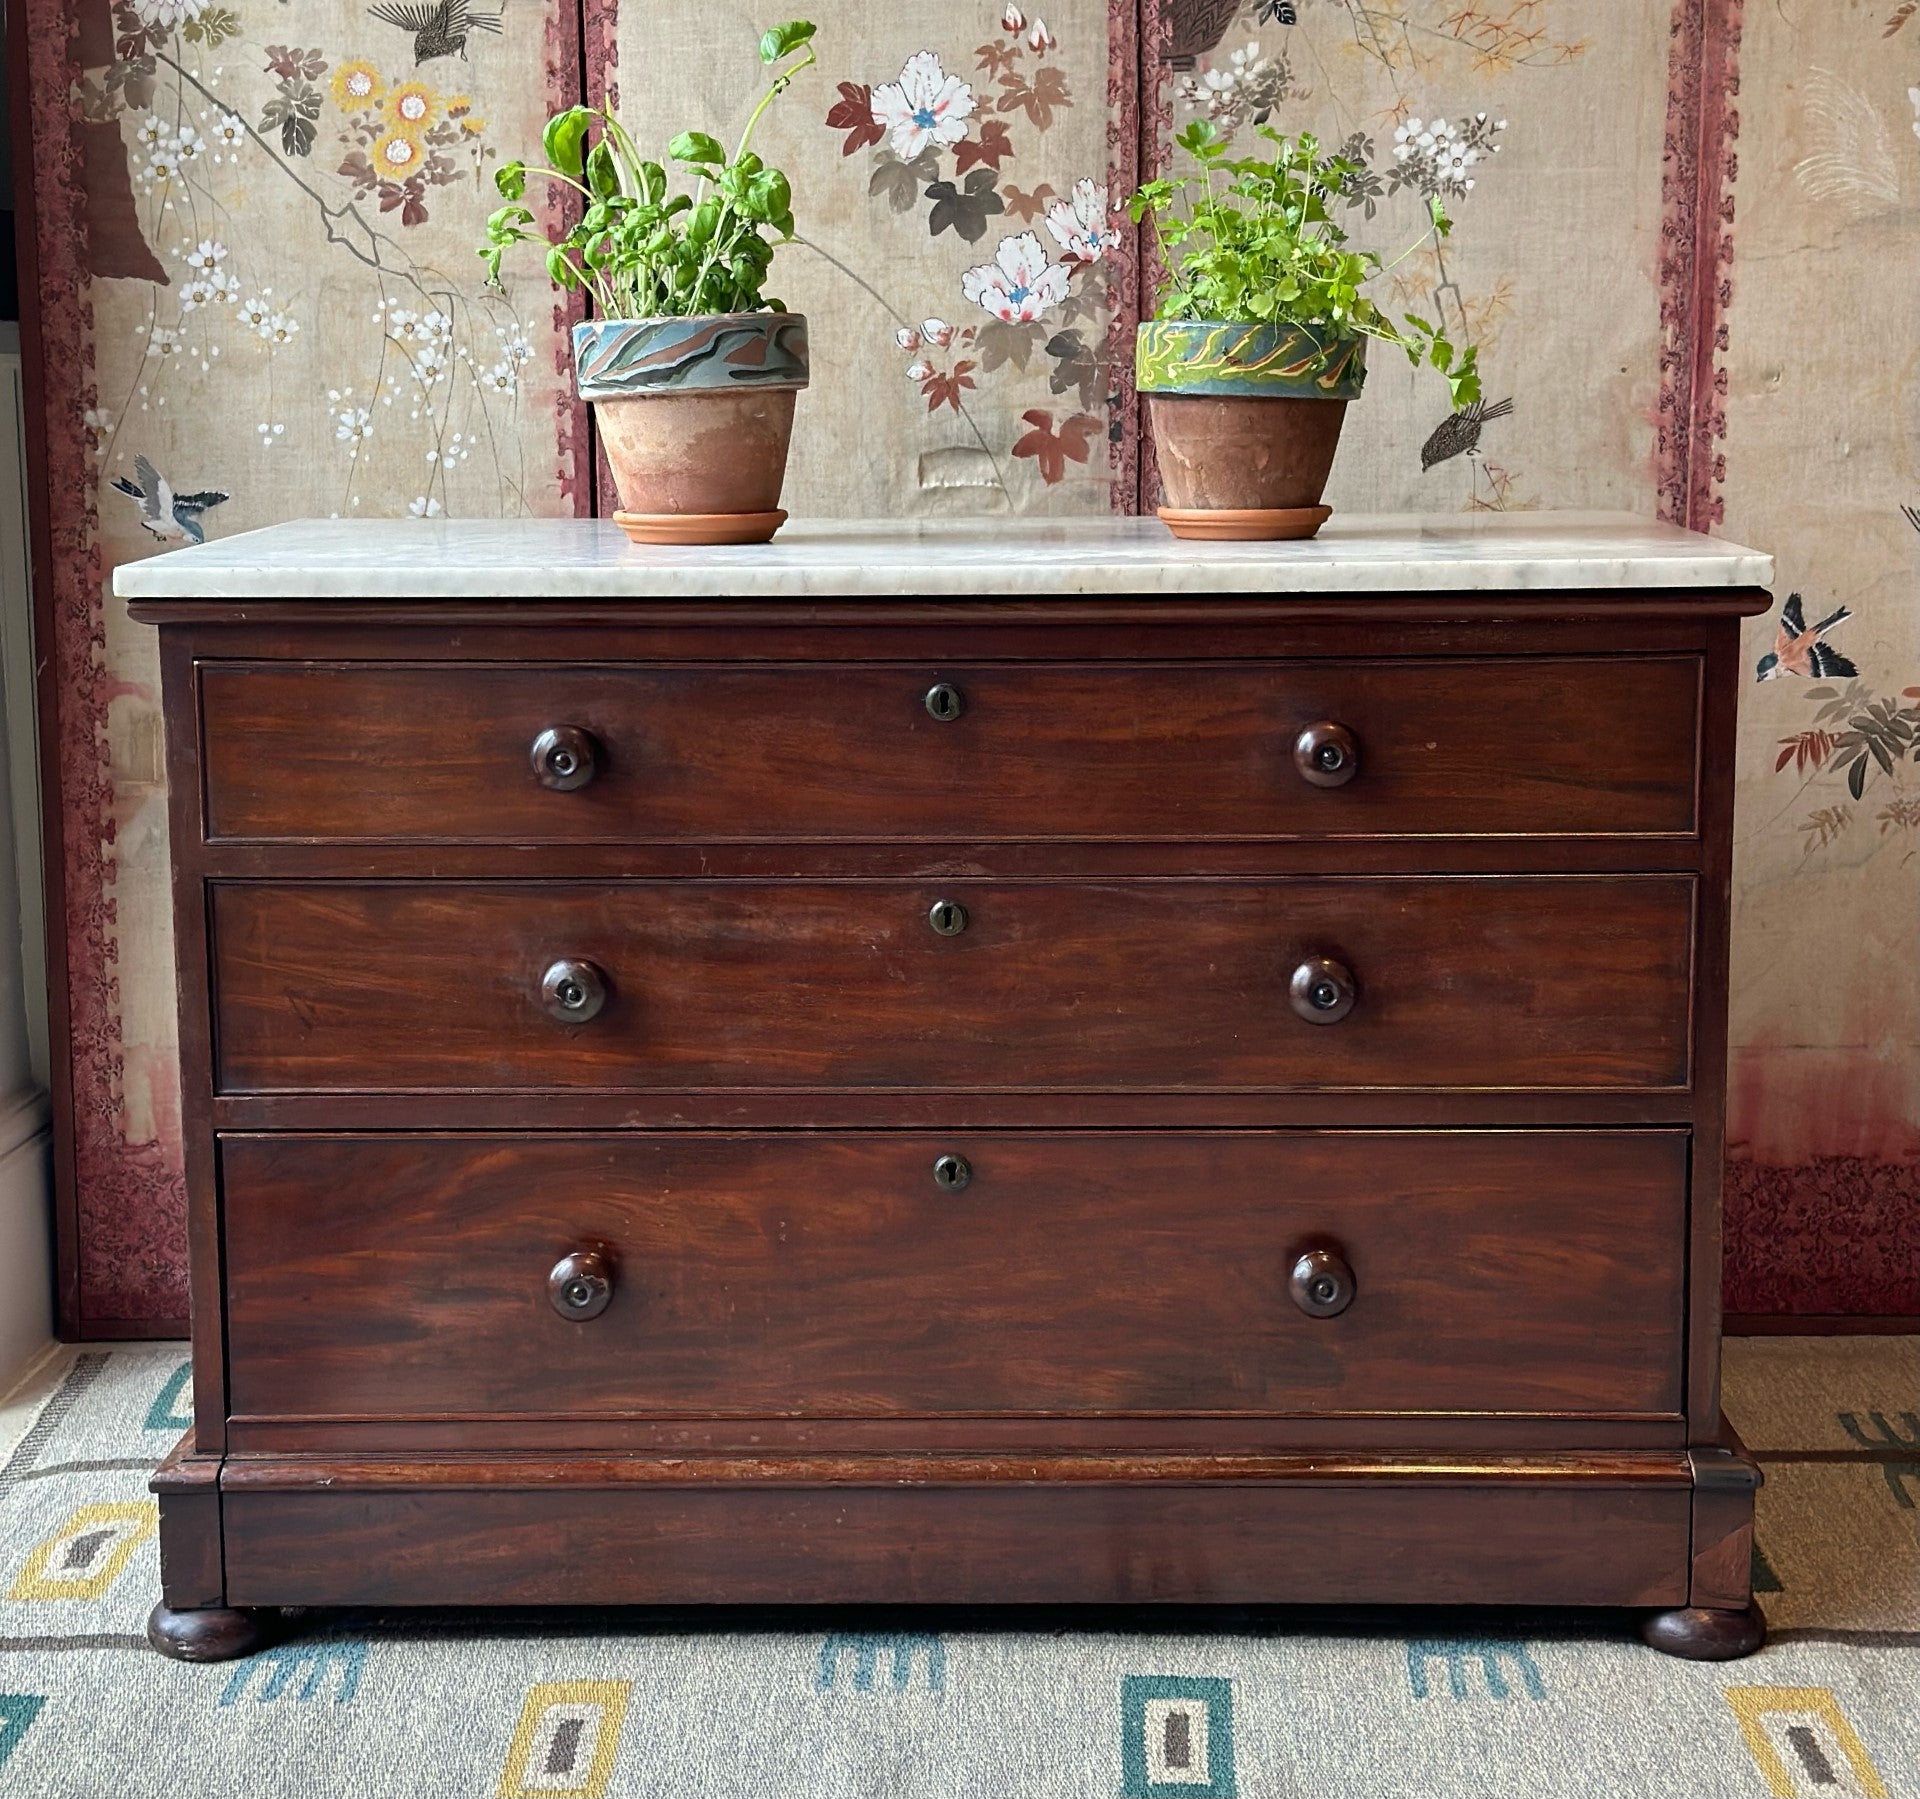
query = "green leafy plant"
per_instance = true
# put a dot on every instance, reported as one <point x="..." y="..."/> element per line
<point x="641" y="249"/>
<point x="1253" y="240"/>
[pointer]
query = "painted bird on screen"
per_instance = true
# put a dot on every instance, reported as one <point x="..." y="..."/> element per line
<point x="1458" y="434"/>
<point x="169" y="516"/>
<point x="438" y="29"/>
<point x="1799" y="651"/>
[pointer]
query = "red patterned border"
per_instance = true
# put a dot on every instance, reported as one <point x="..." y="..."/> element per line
<point x="128" y="1200"/>
<point x="1696" y="259"/>
<point x="1124" y="79"/>
<point x="1840" y="1234"/>
<point x="574" y="446"/>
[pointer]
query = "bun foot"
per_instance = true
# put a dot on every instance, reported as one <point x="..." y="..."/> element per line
<point x="217" y="1634"/>
<point x="1700" y="1635"/>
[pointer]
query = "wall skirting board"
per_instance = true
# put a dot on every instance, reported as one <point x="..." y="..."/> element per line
<point x="26" y="1233"/>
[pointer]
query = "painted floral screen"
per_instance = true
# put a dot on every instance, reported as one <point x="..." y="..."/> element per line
<point x="1683" y="227"/>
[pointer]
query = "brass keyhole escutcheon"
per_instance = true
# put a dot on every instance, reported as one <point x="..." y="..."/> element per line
<point x="945" y="702"/>
<point x="948" y="917"/>
<point x="951" y="1173"/>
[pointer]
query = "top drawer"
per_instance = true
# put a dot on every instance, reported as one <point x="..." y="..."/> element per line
<point x="445" y="752"/>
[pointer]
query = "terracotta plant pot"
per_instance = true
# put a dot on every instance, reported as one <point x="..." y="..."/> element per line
<point x="696" y="416"/>
<point x="1246" y="420"/>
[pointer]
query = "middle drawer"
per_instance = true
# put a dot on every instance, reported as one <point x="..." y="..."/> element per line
<point x="1136" y="985"/>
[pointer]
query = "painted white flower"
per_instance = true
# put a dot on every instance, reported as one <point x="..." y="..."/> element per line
<point x="1013" y="21"/>
<point x="254" y="313"/>
<point x="163" y="342"/>
<point x="919" y="371"/>
<point x="1040" y="40"/>
<point x="154" y="131"/>
<point x="163" y="165"/>
<point x="189" y="143"/>
<point x="221" y="286"/>
<point x="229" y="132"/>
<point x="1081" y="225"/>
<point x="353" y="427"/>
<point x="501" y="379"/>
<point x="279" y="330"/>
<point x="1020" y="284"/>
<point x="424" y="507"/>
<point x="270" y="434"/>
<point x="925" y="106"/>
<point x="98" y="421"/>
<point x="937" y="332"/>
<point x="195" y="294"/>
<point x="205" y="256"/>
<point x="169" y="15"/>
<point x="907" y="338"/>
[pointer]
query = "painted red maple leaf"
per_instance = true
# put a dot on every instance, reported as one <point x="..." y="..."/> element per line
<point x="853" y="114"/>
<point x="1028" y="206"/>
<point x="945" y="390"/>
<point x="996" y="58"/>
<point x="1049" y="449"/>
<point x="991" y="148"/>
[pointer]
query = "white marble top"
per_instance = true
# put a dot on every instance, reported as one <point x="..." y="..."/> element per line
<point x="379" y="559"/>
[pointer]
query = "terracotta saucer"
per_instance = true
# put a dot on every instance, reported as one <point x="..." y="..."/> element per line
<point x="700" y="527"/>
<point x="1206" y="526"/>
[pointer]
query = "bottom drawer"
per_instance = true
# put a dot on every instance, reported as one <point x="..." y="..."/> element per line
<point x="1070" y="1274"/>
<point x="621" y="1534"/>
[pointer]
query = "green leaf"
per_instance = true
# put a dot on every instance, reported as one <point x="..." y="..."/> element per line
<point x="697" y="147"/>
<point x="783" y="40"/>
<point x="603" y="171"/>
<point x="511" y="179"/>
<point x="565" y="140"/>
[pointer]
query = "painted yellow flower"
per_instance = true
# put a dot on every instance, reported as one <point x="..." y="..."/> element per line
<point x="412" y="106"/>
<point x="357" y="84"/>
<point x="398" y="155"/>
<point x="460" y="112"/>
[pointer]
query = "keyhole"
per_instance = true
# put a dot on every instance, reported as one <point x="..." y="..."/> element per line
<point x="948" y="917"/>
<point x="944" y="702"/>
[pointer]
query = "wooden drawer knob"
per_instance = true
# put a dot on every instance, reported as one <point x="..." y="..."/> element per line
<point x="581" y="1285"/>
<point x="573" y="991"/>
<point x="564" y="758"/>
<point x="1322" y="1283"/>
<point x="1327" y="755"/>
<point x="1322" y="990"/>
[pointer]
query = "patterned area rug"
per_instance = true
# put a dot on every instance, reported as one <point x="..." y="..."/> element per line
<point x="466" y="1705"/>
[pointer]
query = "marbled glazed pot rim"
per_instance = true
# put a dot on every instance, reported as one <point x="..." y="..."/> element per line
<point x="1225" y="358"/>
<point x="620" y="359"/>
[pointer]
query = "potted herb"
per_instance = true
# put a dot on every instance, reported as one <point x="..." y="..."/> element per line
<point x="1260" y="338"/>
<point x="692" y="372"/>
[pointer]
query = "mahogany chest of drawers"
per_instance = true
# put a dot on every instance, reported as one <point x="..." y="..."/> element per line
<point x="1205" y="1097"/>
